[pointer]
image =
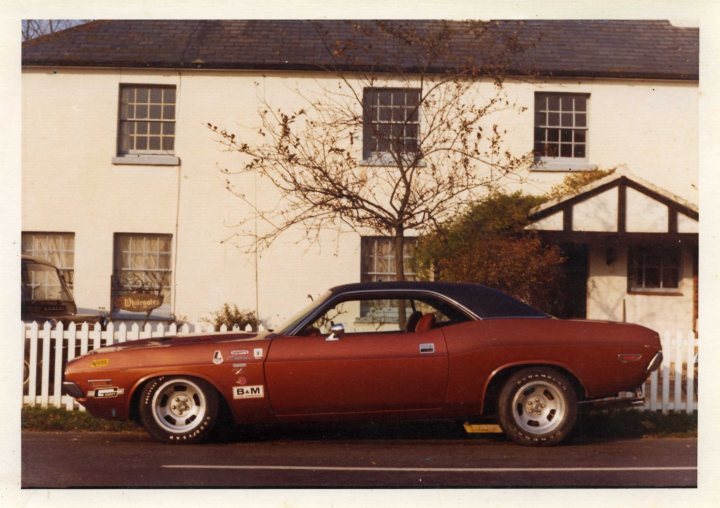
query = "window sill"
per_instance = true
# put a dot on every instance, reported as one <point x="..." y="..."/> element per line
<point x="156" y="315"/>
<point x="387" y="159"/>
<point x="146" y="160"/>
<point x="550" y="165"/>
<point x="655" y="292"/>
<point x="386" y="163"/>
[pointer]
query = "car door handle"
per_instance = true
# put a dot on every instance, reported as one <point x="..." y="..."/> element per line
<point x="427" y="348"/>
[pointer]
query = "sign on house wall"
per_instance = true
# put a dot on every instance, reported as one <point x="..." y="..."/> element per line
<point x="137" y="302"/>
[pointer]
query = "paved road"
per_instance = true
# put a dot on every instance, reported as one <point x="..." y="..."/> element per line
<point x="327" y="457"/>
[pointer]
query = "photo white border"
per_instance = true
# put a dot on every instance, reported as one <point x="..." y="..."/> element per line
<point x="702" y="13"/>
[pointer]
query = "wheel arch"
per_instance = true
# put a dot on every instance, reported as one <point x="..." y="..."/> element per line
<point x="499" y="376"/>
<point x="136" y="390"/>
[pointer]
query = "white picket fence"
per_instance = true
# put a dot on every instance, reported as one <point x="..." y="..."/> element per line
<point x="48" y="349"/>
<point x="671" y="388"/>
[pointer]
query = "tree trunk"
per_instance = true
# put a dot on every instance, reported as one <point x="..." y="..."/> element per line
<point x="400" y="272"/>
<point x="399" y="254"/>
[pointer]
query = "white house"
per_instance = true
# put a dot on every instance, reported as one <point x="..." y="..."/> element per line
<point x="121" y="182"/>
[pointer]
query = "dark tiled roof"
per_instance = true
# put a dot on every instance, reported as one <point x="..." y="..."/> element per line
<point x="568" y="48"/>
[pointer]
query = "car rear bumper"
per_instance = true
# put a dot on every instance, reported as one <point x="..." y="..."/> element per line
<point x="623" y="399"/>
<point x="655" y="362"/>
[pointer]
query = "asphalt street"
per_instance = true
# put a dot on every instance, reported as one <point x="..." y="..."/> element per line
<point x="322" y="457"/>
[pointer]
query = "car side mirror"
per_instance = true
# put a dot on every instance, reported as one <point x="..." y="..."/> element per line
<point x="336" y="331"/>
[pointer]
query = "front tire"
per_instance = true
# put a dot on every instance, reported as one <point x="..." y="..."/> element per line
<point x="537" y="406"/>
<point x="178" y="409"/>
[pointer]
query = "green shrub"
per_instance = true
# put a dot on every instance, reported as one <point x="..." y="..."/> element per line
<point x="490" y="245"/>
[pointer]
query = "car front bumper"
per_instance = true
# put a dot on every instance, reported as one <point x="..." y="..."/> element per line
<point x="73" y="390"/>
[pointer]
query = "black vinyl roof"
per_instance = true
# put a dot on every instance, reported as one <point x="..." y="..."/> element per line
<point x="483" y="301"/>
<point x="638" y="49"/>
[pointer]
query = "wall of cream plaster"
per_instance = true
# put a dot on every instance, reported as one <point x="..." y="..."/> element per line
<point x="597" y="214"/>
<point x="608" y="296"/>
<point x="69" y="127"/>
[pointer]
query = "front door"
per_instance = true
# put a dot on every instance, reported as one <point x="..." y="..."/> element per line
<point x="575" y="276"/>
<point x="373" y="367"/>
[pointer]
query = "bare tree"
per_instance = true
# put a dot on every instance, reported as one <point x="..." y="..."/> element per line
<point x="397" y="144"/>
<point x="32" y="28"/>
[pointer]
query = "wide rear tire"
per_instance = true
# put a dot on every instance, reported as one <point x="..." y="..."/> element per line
<point x="537" y="406"/>
<point x="178" y="409"/>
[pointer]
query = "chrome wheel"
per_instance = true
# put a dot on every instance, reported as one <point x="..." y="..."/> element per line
<point x="538" y="407"/>
<point x="178" y="409"/>
<point x="179" y="405"/>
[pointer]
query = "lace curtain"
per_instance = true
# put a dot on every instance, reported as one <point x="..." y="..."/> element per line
<point x="58" y="248"/>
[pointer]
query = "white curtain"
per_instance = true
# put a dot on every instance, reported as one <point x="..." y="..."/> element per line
<point x="58" y="248"/>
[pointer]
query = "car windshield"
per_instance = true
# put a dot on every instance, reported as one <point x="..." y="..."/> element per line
<point x="43" y="283"/>
<point x="295" y="320"/>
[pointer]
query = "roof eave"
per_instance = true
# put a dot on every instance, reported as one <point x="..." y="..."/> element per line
<point x="617" y="176"/>
<point x="282" y="66"/>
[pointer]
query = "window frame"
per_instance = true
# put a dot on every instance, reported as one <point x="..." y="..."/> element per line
<point x="383" y="276"/>
<point x="664" y="253"/>
<point x="560" y="162"/>
<point x="146" y="156"/>
<point x="57" y="258"/>
<point x="167" y="284"/>
<point x="370" y="133"/>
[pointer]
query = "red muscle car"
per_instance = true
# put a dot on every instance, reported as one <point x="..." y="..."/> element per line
<point x="413" y="350"/>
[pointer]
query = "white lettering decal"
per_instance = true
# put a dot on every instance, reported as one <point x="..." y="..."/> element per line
<point x="248" y="392"/>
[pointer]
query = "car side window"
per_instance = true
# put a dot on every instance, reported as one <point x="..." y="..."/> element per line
<point x="359" y="315"/>
<point x="369" y="314"/>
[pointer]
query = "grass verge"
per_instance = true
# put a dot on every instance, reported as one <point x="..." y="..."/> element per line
<point x="56" y="419"/>
<point x="632" y="424"/>
<point x="590" y="424"/>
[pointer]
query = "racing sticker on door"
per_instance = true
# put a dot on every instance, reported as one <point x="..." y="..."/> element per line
<point x="248" y="392"/>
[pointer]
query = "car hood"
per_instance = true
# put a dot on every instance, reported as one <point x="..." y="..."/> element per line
<point x="177" y="340"/>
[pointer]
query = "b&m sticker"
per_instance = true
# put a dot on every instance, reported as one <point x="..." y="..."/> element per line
<point x="248" y="392"/>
